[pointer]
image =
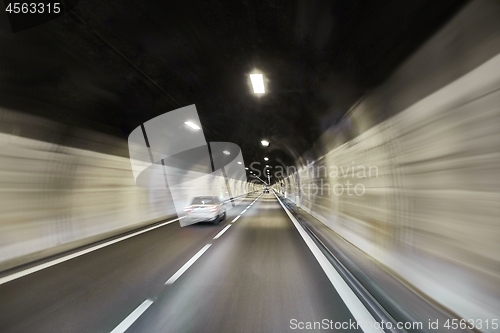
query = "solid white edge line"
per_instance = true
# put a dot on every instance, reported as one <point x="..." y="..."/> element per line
<point x="187" y="265"/>
<point x="236" y="218"/>
<point x="222" y="231"/>
<point x="131" y="318"/>
<point x="54" y="262"/>
<point x="357" y="309"/>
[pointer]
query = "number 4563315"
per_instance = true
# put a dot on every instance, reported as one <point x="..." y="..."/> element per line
<point x="33" y="8"/>
<point x="471" y="324"/>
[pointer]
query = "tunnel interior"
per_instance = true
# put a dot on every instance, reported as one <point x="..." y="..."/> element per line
<point x="362" y="186"/>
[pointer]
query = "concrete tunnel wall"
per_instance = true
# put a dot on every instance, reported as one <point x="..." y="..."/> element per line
<point x="431" y="130"/>
<point x="428" y="142"/>
<point x="54" y="197"/>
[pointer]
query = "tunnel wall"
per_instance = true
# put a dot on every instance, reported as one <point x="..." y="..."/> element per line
<point x="57" y="197"/>
<point x="425" y="151"/>
<point x="58" y="193"/>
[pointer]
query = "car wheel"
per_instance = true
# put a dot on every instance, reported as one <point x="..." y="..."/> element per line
<point x="223" y="216"/>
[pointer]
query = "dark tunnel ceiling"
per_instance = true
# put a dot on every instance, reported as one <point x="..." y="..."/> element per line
<point x="111" y="65"/>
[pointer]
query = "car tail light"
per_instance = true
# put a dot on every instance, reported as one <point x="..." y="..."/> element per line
<point x="213" y="209"/>
<point x="188" y="209"/>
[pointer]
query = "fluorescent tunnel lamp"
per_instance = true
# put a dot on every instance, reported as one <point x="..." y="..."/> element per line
<point x="257" y="83"/>
<point x="192" y="125"/>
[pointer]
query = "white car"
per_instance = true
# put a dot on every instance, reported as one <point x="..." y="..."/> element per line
<point x="206" y="209"/>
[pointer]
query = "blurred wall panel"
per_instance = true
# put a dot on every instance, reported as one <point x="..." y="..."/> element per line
<point x="54" y="197"/>
<point x="425" y="157"/>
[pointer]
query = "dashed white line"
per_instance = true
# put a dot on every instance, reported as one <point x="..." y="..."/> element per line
<point x="54" y="262"/>
<point x="222" y="231"/>
<point x="131" y="318"/>
<point x="187" y="265"/>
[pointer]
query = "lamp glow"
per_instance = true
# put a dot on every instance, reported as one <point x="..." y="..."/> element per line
<point x="257" y="83"/>
<point x="265" y="143"/>
<point x="192" y="125"/>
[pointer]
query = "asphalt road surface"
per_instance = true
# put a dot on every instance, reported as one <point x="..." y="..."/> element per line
<point x="256" y="276"/>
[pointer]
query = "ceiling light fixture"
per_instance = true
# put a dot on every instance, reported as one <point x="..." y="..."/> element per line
<point x="226" y="152"/>
<point x="192" y="125"/>
<point x="265" y="143"/>
<point x="257" y="83"/>
<point x="266" y="159"/>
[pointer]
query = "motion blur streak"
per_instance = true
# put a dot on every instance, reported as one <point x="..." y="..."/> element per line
<point x="55" y="197"/>
<point x="383" y="124"/>
<point x="429" y="210"/>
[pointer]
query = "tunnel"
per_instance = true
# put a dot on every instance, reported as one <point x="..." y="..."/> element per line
<point x="250" y="166"/>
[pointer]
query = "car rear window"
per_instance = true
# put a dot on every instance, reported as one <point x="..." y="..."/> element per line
<point x="205" y="201"/>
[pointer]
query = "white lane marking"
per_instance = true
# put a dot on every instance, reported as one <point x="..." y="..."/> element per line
<point x="37" y="268"/>
<point x="250" y="205"/>
<point x="187" y="265"/>
<point x="357" y="309"/>
<point x="236" y="218"/>
<point x="131" y="318"/>
<point x="222" y="231"/>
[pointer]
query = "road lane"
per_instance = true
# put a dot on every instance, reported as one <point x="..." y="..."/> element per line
<point x="257" y="277"/>
<point x="95" y="292"/>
